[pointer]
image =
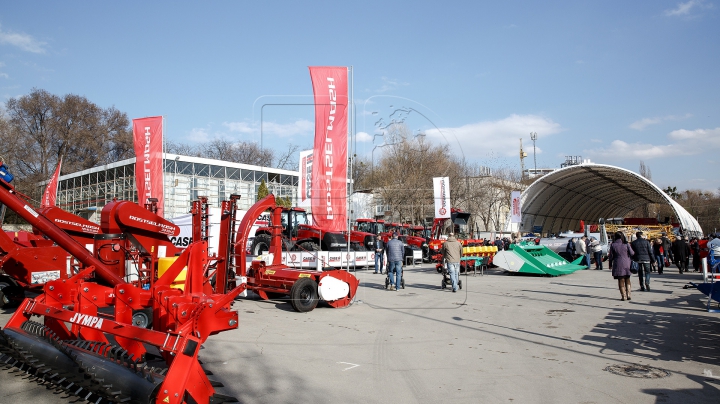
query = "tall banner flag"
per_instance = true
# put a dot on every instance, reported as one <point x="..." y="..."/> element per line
<point x="305" y="192"/>
<point x="330" y="162"/>
<point x="441" y="188"/>
<point x="148" y="141"/>
<point x="50" y="195"/>
<point x="515" y="208"/>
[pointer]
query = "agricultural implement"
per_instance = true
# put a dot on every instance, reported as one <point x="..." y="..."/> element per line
<point x="271" y="279"/>
<point x="535" y="259"/>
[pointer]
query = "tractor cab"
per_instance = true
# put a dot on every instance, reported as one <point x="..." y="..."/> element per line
<point x="370" y="226"/>
<point x="292" y="219"/>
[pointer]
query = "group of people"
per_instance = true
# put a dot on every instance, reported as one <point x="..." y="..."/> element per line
<point x="395" y="251"/>
<point x="650" y="257"/>
<point x="585" y="247"/>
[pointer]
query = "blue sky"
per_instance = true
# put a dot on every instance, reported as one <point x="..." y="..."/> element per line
<point x="613" y="81"/>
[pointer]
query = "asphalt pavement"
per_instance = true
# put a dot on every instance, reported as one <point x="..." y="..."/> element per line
<point x="500" y="339"/>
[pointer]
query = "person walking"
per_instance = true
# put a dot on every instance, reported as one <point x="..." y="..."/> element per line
<point x="582" y="251"/>
<point x="680" y="252"/>
<point x="596" y="249"/>
<point x="379" y="252"/>
<point x="695" y="249"/>
<point x="659" y="254"/>
<point x="644" y="257"/>
<point x="570" y="249"/>
<point x="395" y="251"/>
<point x="667" y="249"/>
<point x="452" y="252"/>
<point x="619" y="254"/>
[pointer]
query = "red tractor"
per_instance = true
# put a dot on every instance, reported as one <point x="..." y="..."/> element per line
<point x="442" y="227"/>
<point x="364" y="233"/>
<point x="298" y="234"/>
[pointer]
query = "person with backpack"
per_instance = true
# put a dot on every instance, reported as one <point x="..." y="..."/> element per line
<point x="570" y="249"/>
<point x="644" y="257"/>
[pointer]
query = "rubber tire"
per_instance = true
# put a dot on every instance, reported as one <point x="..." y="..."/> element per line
<point x="402" y="282"/>
<point x="5" y="302"/>
<point x="309" y="246"/>
<point x="259" y="241"/>
<point x="387" y="282"/>
<point x="304" y="295"/>
<point x="442" y="284"/>
<point x="459" y="284"/>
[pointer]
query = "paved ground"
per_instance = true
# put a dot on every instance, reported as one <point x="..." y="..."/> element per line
<point x="501" y="339"/>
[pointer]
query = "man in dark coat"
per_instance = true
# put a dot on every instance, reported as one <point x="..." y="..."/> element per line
<point x="667" y="248"/>
<point x="644" y="257"/>
<point x="681" y="252"/>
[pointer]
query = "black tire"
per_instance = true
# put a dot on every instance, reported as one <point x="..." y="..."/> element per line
<point x="402" y="283"/>
<point x="304" y="295"/>
<point x="459" y="284"/>
<point x="309" y="246"/>
<point x="387" y="281"/>
<point x="442" y="284"/>
<point x="260" y="243"/>
<point x="5" y="302"/>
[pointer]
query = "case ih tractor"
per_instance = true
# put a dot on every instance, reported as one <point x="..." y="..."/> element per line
<point x="364" y="233"/>
<point x="299" y="235"/>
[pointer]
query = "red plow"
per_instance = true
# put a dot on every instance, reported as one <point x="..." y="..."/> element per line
<point x="81" y="335"/>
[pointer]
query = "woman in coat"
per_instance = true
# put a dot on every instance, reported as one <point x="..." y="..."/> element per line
<point x="619" y="254"/>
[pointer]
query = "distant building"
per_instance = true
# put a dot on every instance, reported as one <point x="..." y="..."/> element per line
<point x="533" y="173"/>
<point x="185" y="178"/>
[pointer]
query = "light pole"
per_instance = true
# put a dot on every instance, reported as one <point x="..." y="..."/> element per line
<point x="533" y="137"/>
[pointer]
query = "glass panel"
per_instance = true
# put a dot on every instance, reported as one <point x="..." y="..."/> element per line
<point x="272" y="177"/>
<point x="248" y="175"/>
<point x="183" y="167"/>
<point x="217" y="171"/>
<point x="259" y="176"/>
<point x="233" y="173"/>
<point x="202" y="169"/>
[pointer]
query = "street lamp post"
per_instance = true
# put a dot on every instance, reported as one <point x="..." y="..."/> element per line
<point x="533" y="137"/>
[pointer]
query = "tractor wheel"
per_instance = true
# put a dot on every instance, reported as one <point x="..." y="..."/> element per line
<point x="304" y="295"/>
<point x="309" y="246"/>
<point x="260" y="243"/>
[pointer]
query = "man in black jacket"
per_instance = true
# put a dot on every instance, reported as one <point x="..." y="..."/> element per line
<point x="379" y="252"/>
<point x="643" y="256"/>
<point x="681" y="251"/>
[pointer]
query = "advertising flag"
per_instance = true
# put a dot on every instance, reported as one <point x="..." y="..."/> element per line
<point x="329" y="168"/>
<point x="515" y="208"/>
<point x="50" y="195"/>
<point x="305" y="193"/>
<point x="441" y="188"/>
<point x="148" y="141"/>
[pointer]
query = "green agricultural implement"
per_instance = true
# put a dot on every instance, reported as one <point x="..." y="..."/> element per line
<point x="535" y="259"/>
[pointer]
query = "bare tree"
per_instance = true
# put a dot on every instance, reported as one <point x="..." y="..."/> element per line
<point x="45" y="128"/>
<point x="288" y="160"/>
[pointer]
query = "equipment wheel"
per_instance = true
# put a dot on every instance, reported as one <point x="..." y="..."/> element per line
<point x="459" y="284"/>
<point x="402" y="282"/>
<point x="304" y="295"/>
<point x="260" y="243"/>
<point x="142" y="318"/>
<point x="443" y="284"/>
<point x="309" y="246"/>
<point x="387" y="281"/>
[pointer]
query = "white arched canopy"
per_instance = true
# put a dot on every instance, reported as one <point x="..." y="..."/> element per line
<point x="558" y="201"/>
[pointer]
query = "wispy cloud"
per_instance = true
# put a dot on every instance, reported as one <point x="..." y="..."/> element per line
<point x="503" y="134"/>
<point x="363" y="137"/>
<point x="645" y="122"/>
<point x="23" y="41"/>
<point x="390" y="84"/>
<point x="684" y="9"/>
<point x="683" y="142"/>
<point x="5" y="75"/>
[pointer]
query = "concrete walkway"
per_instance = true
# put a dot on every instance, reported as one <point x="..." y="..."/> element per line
<point x="501" y="339"/>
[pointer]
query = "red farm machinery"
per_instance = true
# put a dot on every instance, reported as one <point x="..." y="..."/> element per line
<point x="298" y="234"/>
<point x="83" y="333"/>
<point x="474" y="251"/>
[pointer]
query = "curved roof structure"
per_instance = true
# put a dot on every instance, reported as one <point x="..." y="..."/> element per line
<point x="559" y="200"/>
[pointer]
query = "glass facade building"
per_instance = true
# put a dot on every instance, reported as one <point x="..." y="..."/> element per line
<point x="185" y="178"/>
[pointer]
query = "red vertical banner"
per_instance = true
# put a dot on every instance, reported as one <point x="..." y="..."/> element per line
<point x="148" y="141"/>
<point x="50" y="196"/>
<point x="329" y="169"/>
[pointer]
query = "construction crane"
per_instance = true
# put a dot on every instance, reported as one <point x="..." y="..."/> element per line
<point x="522" y="161"/>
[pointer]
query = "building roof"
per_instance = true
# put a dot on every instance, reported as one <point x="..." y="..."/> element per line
<point x="589" y="192"/>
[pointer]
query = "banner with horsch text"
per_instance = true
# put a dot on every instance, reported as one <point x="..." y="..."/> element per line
<point x="515" y="208"/>
<point x="305" y="192"/>
<point x="148" y="141"/>
<point x="329" y="168"/>
<point x="441" y="191"/>
<point x="50" y="195"/>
